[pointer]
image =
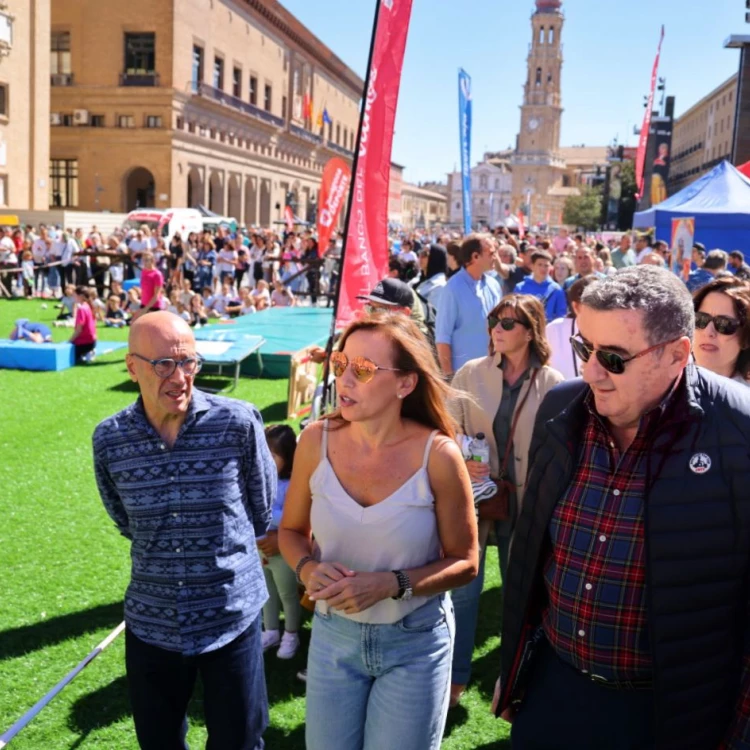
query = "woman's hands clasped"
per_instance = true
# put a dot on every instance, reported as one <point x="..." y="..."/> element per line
<point x="346" y="590"/>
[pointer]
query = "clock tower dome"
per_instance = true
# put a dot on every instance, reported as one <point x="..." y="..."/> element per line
<point x="537" y="164"/>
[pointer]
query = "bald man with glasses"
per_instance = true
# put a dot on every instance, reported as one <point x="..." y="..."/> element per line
<point x="188" y="478"/>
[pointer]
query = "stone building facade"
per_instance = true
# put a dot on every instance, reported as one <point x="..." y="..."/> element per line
<point x="24" y="103"/>
<point x="194" y="102"/>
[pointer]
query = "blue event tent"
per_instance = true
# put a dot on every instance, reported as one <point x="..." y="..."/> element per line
<point x="720" y="203"/>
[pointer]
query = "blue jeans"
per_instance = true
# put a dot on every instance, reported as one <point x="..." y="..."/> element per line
<point x="371" y="687"/>
<point x="466" y="604"/>
<point x="160" y="684"/>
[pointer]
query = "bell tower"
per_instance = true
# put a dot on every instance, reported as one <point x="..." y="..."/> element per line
<point x="537" y="164"/>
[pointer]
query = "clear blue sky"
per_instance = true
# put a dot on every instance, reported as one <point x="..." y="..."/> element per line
<point x="609" y="48"/>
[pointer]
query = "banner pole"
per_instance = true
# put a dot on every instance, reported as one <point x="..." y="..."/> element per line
<point x="347" y="217"/>
<point x="40" y="704"/>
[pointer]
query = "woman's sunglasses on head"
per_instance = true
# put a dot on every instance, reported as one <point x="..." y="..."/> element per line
<point x="723" y="324"/>
<point x="507" y="324"/>
<point x="364" y="369"/>
<point x="612" y="362"/>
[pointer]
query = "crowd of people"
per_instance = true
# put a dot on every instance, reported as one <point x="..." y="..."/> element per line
<point x="42" y="261"/>
<point x="577" y="405"/>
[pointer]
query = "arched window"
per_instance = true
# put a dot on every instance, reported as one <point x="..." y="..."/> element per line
<point x="541" y="35"/>
<point x="551" y="37"/>
<point x="538" y="76"/>
<point x="483" y="182"/>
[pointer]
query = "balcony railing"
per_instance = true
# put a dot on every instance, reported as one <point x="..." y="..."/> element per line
<point x="61" y="79"/>
<point x="210" y="92"/>
<point x="139" y="79"/>
<point x="306" y="135"/>
<point x="339" y="149"/>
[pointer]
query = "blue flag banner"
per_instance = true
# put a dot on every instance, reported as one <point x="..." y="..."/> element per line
<point x="464" y="113"/>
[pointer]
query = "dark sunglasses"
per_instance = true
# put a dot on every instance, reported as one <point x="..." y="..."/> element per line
<point x="613" y="363"/>
<point x="507" y="324"/>
<point x="364" y="369"/>
<point x="724" y="325"/>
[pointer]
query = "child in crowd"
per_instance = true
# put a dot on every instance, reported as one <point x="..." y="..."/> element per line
<point x="27" y="274"/>
<point x="67" y="306"/>
<point x="281" y="296"/>
<point x="114" y="316"/>
<point x="134" y="301"/>
<point x="98" y="306"/>
<point x="116" y="288"/>
<point x="280" y="578"/>
<point x="262" y="292"/>
<point x="217" y="305"/>
<point x="242" y="306"/>
<point x="187" y="294"/>
<point x="176" y="306"/>
<point x="84" y="335"/>
<point x="198" y="314"/>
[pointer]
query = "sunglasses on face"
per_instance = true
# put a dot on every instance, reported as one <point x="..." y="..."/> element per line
<point x="364" y="369"/>
<point x="613" y="363"/>
<point x="724" y="325"/>
<point x="507" y="324"/>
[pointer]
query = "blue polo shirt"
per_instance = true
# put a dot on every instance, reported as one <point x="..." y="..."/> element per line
<point x="462" y="316"/>
<point x="549" y="292"/>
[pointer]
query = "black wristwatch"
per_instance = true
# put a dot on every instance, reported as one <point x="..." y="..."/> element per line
<point x="405" y="592"/>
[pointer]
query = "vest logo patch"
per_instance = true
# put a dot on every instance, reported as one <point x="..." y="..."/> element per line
<point x="700" y="463"/>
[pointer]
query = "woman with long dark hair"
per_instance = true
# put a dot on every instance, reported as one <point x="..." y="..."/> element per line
<point x="311" y="257"/>
<point x="722" y="328"/>
<point x="382" y="487"/>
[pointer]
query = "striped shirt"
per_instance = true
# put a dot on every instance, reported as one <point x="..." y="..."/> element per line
<point x="192" y="513"/>
<point x="595" y="574"/>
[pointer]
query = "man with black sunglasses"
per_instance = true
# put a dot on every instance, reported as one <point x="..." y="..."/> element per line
<point x="188" y="478"/>
<point x="625" y="619"/>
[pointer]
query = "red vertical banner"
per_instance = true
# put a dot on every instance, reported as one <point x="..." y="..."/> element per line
<point x="289" y="218"/>
<point x="640" y="157"/>
<point x="365" y="260"/>
<point x="521" y="226"/>
<point x="334" y="189"/>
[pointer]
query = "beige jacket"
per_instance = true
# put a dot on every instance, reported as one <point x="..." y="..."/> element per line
<point x="482" y="380"/>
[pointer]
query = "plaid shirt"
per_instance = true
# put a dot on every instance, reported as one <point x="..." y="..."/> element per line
<point x="595" y="573"/>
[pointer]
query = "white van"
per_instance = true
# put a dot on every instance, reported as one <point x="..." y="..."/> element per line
<point x="165" y="222"/>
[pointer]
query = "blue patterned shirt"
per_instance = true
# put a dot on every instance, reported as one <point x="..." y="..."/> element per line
<point x="192" y="513"/>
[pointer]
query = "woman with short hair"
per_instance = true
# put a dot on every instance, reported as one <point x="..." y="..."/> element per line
<point x="382" y="487"/>
<point x="722" y="328"/>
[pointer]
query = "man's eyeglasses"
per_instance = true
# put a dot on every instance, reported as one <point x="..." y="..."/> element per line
<point x="613" y="363"/>
<point x="164" y="368"/>
<point x="723" y="324"/>
<point x="507" y="324"/>
<point x="364" y="369"/>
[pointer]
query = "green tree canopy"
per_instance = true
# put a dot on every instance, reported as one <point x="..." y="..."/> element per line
<point x="585" y="210"/>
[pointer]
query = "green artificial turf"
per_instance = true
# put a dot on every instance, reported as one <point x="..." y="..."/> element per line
<point x="64" y="568"/>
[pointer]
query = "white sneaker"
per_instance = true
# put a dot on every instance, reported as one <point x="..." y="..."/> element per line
<point x="289" y="646"/>
<point x="269" y="639"/>
<point x="302" y="675"/>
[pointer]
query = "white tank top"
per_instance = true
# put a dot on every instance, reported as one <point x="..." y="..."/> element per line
<point x="398" y="533"/>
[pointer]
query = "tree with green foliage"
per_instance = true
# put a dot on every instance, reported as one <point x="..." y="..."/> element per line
<point x="627" y="200"/>
<point x="584" y="211"/>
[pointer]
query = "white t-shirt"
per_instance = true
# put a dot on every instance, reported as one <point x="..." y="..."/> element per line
<point x="408" y="257"/>
<point x="563" y="360"/>
<point x="219" y="302"/>
<point x="225" y="261"/>
<point x="39" y="251"/>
